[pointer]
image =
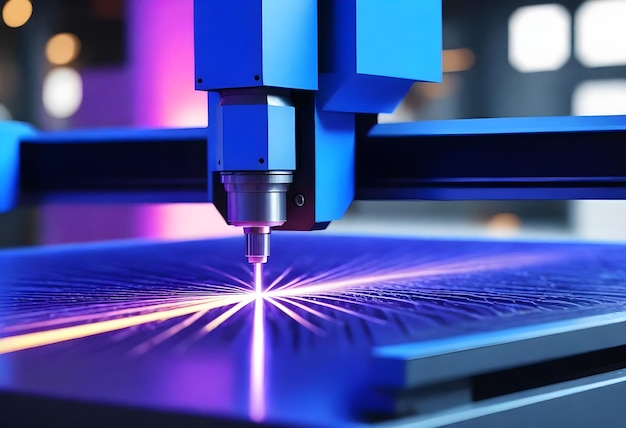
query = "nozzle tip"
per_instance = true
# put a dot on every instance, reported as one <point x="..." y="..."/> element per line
<point x="257" y="244"/>
<point x="257" y="259"/>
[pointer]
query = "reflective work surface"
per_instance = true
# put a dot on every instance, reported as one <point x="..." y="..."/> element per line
<point x="179" y="327"/>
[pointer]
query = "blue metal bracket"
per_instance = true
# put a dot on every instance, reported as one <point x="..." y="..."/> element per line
<point x="11" y="134"/>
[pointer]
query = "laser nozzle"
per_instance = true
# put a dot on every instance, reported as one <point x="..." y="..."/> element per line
<point x="257" y="244"/>
<point x="257" y="202"/>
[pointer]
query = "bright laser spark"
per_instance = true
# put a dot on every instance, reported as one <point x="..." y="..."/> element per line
<point x="257" y="366"/>
<point x="328" y="291"/>
<point x="258" y="278"/>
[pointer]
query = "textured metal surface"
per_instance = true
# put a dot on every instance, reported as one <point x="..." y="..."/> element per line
<point x="196" y="338"/>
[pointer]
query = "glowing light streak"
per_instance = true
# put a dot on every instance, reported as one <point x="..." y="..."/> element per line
<point x="361" y="262"/>
<point x="364" y="294"/>
<point x="240" y="281"/>
<point x="258" y="278"/>
<point x="279" y="278"/>
<point x="339" y="308"/>
<point x="226" y="315"/>
<point x="413" y="273"/>
<point x="315" y="299"/>
<point x="296" y="317"/>
<point x="47" y="337"/>
<point x="309" y="310"/>
<point x="110" y="313"/>
<point x="257" y="403"/>
<point x="296" y="281"/>
<point x="216" y="322"/>
<point x="163" y="336"/>
<point x="332" y="290"/>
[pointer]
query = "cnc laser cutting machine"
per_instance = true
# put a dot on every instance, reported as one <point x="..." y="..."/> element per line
<point x="335" y="330"/>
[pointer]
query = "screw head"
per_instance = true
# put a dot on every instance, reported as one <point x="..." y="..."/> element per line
<point x="299" y="199"/>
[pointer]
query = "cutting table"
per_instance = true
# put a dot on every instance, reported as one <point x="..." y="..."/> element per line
<point x="350" y="331"/>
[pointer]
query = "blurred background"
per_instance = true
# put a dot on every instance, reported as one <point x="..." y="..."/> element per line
<point x="103" y="63"/>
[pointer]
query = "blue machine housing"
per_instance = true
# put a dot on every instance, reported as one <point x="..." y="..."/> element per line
<point x="255" y="43"/>
<point x="371" y="52"/>
<point x="334" y="160"/>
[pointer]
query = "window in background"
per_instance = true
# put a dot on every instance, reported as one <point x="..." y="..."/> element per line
<point x="600" y="38"/>
<point x="5" y="114"/>
<point x="539" y="38"/>
<point x="599" y="220"/>
<point x="599" y="97"/>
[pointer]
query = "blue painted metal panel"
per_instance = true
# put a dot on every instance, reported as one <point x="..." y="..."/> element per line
<point x="290" y="44"/>
<point x="116" y="135"/>
<point x="250" y="133"/>
<point x="512" y="125"/>
<point x="504" y="158"/>
<point x="213" y="153"/>
<point x="337" y="29"/>
<point x="334" y="164"/>
<point x="373" y="49"/>
<point x="281" y="138"/>
<point x="399" y="38"/>
<point x="242" y="136"/>
<point x="228" y="43"/>
<point x="368" y="94"/>
<point x="248" y="43"/>
<point x="11" y="134"/>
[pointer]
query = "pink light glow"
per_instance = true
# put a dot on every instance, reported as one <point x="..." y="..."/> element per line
<point x="258" y="278"/>
<point x="184" y="221"/>
<point x="257" y="408"/>
<point x="162" y="68"/>
<point x="155" y="88"/>
<point x="161" y="54"/>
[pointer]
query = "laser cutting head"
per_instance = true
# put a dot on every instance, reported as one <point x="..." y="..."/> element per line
<point x="279" y="79"/>
<point x="257" y="202"/>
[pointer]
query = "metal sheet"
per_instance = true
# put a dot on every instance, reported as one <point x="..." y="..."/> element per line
<point x="178" y="327"/>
